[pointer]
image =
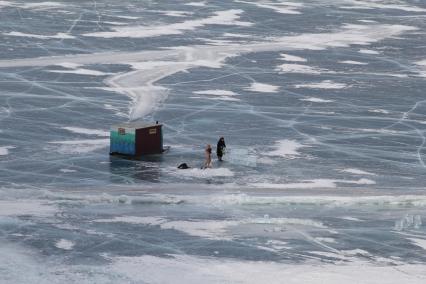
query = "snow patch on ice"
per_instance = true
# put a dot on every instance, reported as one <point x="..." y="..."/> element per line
<point x="316" y="100"/>
<point x="216" y="93"/>
<point x="351" y="218"/>
<point x="379" y="111"/>
<point x="212" y="229"/>
<point x="76" y="70"/>
<point x="326" y="84"/>
<point x="311" y="184"/>
<point x="222" y="95"/>
<point x="196" y="4"/>
<point x="114" y="23"/>
<point x="68" y="65"/>
<point x="221" y="98"/>
<point x="357" y="172"/>
<point x="6" y="4"/>
<point x="281" y="7"/>
<point x="56" y="36"/>
<point x="262" y="88"/>
<point x="367" y="21"/>
<point x="135" y="220"/>
<point x="42" y="5"/>
<point x="34" y="6"/>
<point x="353" y="62"/>
<point x="81" y="71"/>
<point x="292" y="58"/>
<point x="278" y="244"/>
<point x="298" y="68"/>
<point x="286" y="149"/>
<point x="26" y="207"/>
<point x="66" y="171"/>
<point x="327" y="240"/>
<point x="368" y="51"/>
<point x="64" y="244"/>
<point x="202" y="173"/>
<point x="419" y="242"/>
<point x="237" y="35"/>
<point x="175" y="13"/>
<point x="144" y="99"/>
<point x="422" y="64"/>
<point x="4" y="150"/>
<point x="87" y="131"/>
<point x="229" y="18"/>
<point x="80" y="146"/>
<point x="357" y="4"/>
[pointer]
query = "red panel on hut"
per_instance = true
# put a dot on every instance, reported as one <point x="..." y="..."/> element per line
<point x="149" y="140"/>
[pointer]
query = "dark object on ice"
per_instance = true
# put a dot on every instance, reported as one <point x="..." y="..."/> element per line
<point x="135" y="139"/>
<point x="183" y="166"/>
<point x="220" y="150"/>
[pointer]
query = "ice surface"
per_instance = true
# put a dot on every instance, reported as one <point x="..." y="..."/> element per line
<point x="195" y="270"/>
<point x="408" y="221"/>
<point x="241" y="156"/>
<point x="323" y="177"/>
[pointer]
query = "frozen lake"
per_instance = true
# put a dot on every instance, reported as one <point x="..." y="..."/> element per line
<point x="322" y="105"/>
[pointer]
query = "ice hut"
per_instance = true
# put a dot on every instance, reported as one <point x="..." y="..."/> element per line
<point x="136" y="139"/>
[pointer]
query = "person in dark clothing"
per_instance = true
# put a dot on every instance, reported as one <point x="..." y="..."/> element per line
<point x="220" y="150"/>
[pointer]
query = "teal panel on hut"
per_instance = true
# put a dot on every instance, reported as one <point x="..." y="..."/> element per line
<point x="123" y="141"/>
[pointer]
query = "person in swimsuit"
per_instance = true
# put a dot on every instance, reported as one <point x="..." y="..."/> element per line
<point x="208" y="156"/>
